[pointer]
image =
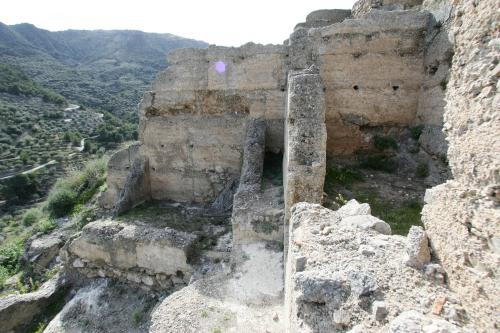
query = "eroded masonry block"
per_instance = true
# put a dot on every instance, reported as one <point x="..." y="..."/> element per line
<point x="305" y="135"/>
<point x="462" y="216"/>
<point x="118" y="169"/>
<point x="18" y="312"/>
<point x="137" y="186"/>
<point x="362" y="7"/>
<point x="341" y="276"/>
<point x="158" y="258"/>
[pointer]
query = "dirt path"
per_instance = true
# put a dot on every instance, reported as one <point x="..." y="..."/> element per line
<point x="30" y="170"/>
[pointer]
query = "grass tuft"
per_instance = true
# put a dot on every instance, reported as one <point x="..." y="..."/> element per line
<point x="384" y="142"/>
<point x="342" y="176"/>
<point x="399" y="216"/>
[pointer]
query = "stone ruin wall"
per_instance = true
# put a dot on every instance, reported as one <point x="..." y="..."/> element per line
<point x="192" y="124"/>
<point x="372" y="71"/>
<point x="380" y="69"/>
<point x="462" y="215"/>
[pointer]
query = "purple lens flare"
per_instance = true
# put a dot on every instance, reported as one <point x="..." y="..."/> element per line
<point x="220" y="67"/>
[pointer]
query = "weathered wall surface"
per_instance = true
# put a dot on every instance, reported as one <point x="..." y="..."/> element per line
<point x="437" y="63"/>
<point x="157" y="258"/>
<point x="324" y="17"/>
<point x="257" y="212"/>
<point x="192" y="125"/>
<point x="372" y="70"/>
<point x="362" y="7"/>
<point x="118" y="169"/>
<point x="304" y="162"/>
<point x="462" y="216"/>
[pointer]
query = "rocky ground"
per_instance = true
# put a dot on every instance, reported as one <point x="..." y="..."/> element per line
<point x="245" y="295"/>
<point x="346" y="272"/>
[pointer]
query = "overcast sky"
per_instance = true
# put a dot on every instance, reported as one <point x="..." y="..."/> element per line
<point x="222" y="22"/>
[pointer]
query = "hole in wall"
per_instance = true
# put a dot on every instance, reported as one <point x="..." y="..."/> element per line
<point x="154" y="169"/>
<point x="355" y="87"/>
<point x="273" y="169"/>
<point x="432" y="69"/>
<point x="163" y="146"/>
<point x="395" y="88"/>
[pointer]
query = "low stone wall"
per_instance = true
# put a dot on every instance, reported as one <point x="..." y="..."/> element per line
<point x="119" y="166"/>
<point x="156" y="258"/>
<point x="344" y="272"/>
<point x="257" y="213"/>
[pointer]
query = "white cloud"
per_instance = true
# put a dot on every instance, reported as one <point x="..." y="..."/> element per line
<point x="222" y="22"/>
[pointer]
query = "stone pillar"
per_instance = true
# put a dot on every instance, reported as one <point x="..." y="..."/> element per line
<point x="305" y="141"/>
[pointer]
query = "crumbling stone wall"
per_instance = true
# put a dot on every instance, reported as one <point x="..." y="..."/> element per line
<point x="372" y="70"/>
<point x="137" y="254"/>
<point x="345" y="272"/>
<point x="119" y="166"/>
<point x="362" y="7"/>
<point x="462" y="216"/>
<point x="257" y="213"/>
<point x="437" y="62"/>
<point x="192" y="123"/>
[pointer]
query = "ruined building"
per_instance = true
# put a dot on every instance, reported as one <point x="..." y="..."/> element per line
<point x="217" y="117"/>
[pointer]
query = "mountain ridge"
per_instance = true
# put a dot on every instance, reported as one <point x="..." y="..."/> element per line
<point x="103" y="69"/>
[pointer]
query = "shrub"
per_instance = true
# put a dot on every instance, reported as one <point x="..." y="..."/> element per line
<point x="21" y="187"/>
<point x="422" y="170"/>
<point x="12" y="252"/>
<point x="4" y="275"/>
<point x="78" y="188"/>
<point x="384" y="142"/>
<point x="61" y="201"/>
<point x="416" y="131"/>
<point x="380" y="163"/>
<point x="31" y="216"/>
<point x="46" y="225"/>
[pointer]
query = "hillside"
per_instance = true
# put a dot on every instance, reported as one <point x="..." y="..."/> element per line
<point x="107" y="70"/>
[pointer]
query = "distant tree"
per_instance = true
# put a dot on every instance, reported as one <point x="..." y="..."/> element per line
<point x="24" y="157"/>
<point x="20" y="188"/>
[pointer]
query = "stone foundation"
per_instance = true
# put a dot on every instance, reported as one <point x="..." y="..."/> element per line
<point x="156" y="258"/>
